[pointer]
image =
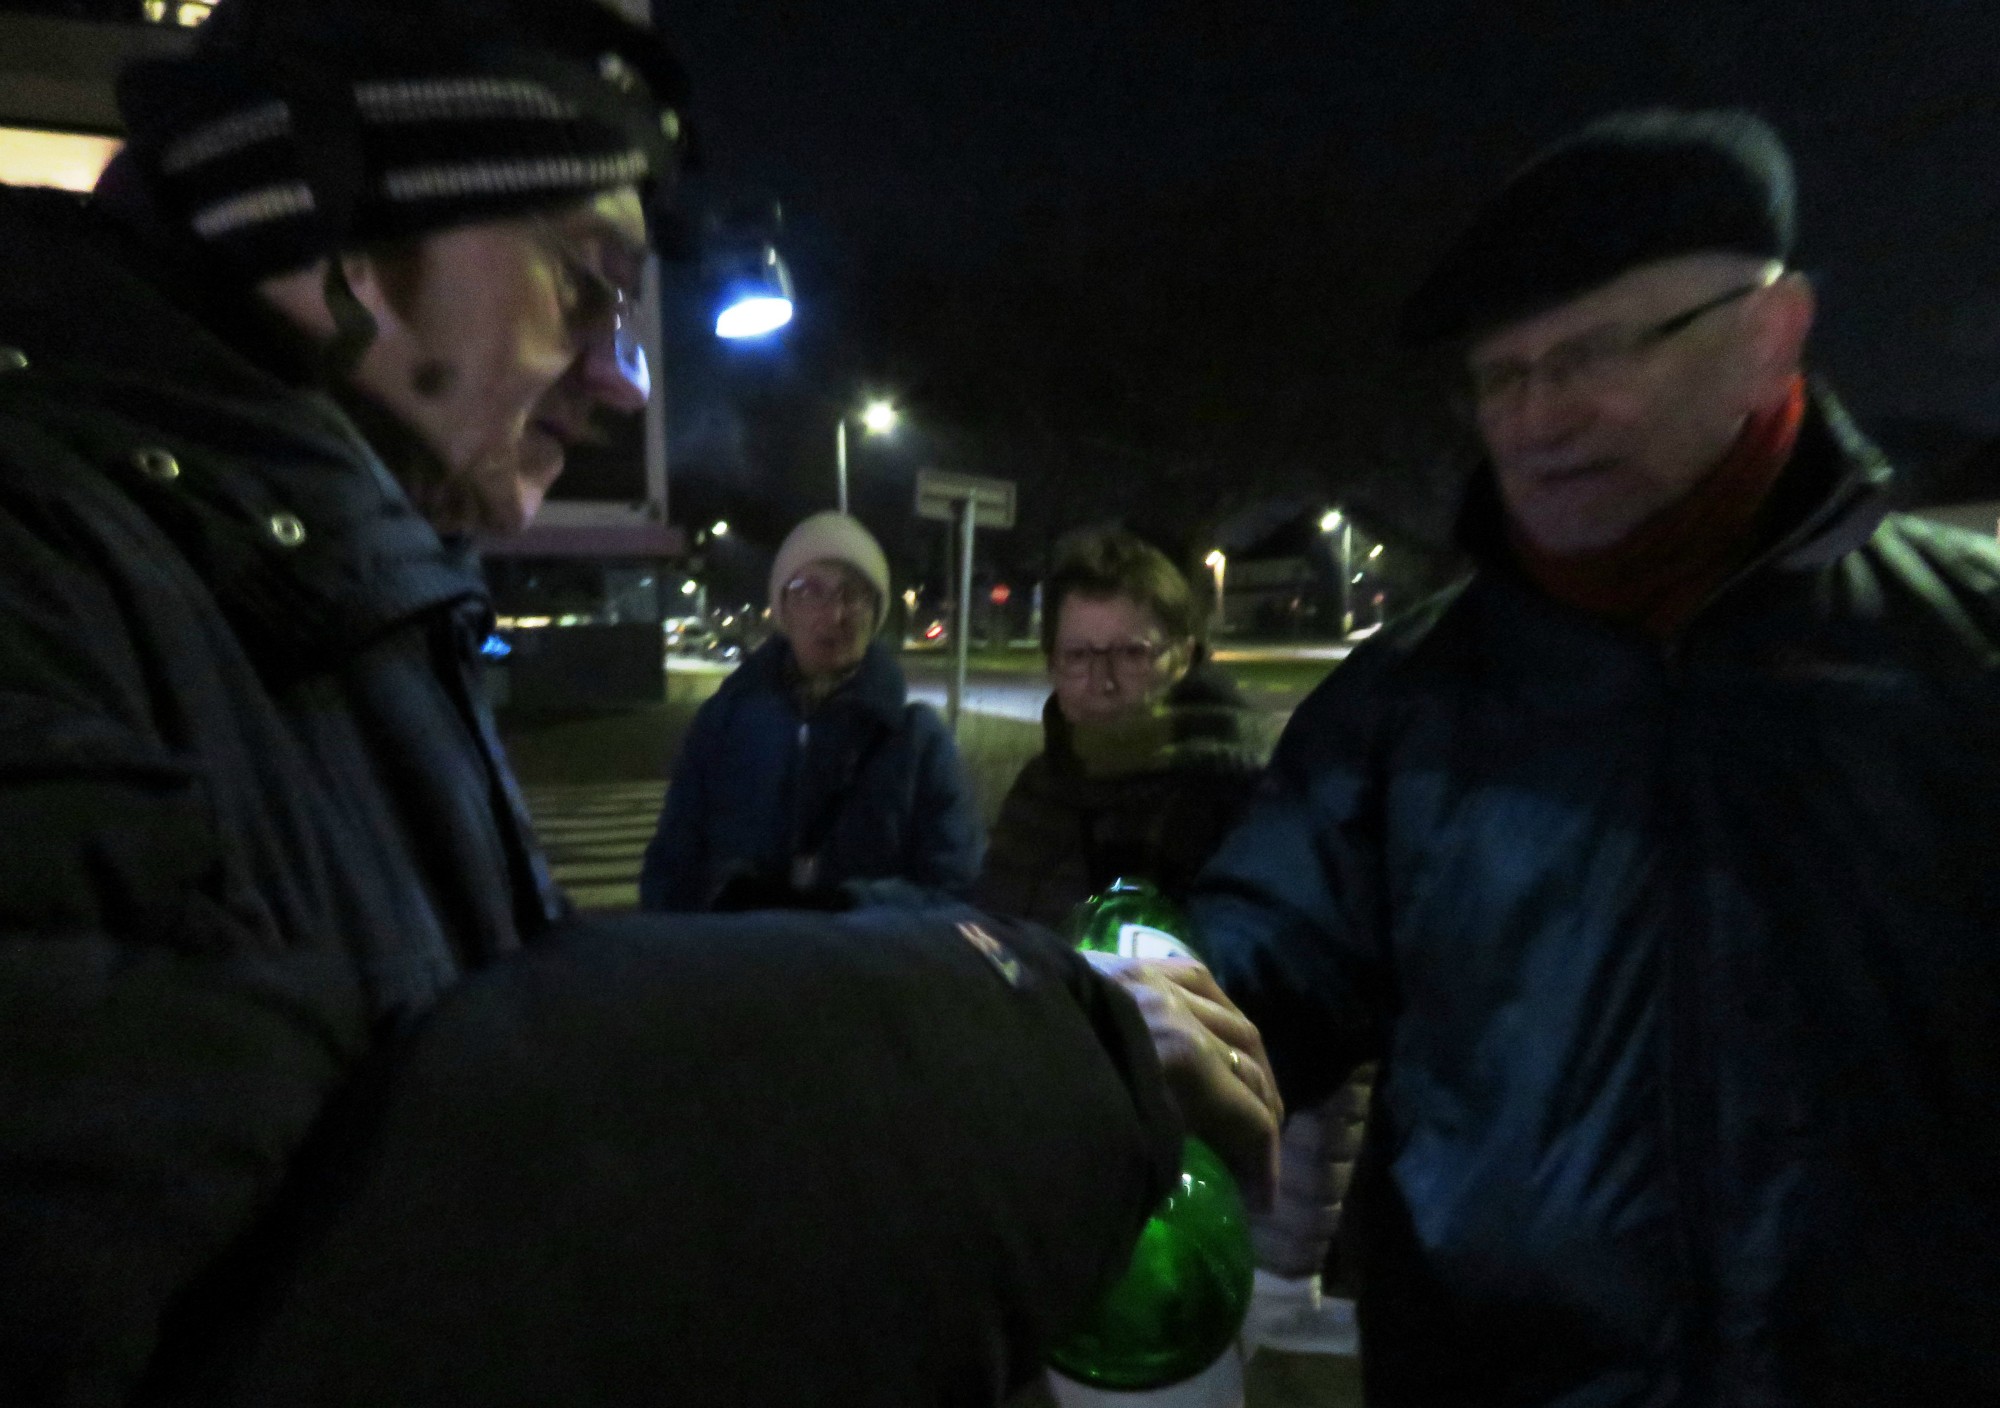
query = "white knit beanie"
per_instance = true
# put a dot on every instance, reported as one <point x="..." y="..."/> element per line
<point x="841" y="538"/>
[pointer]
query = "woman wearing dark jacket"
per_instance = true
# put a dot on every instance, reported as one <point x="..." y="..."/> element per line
<point x="810" y="770"/>
<point x="1149" y="755"/>
<point x="1149" y="759"/>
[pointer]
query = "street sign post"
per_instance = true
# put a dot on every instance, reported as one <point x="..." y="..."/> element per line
<point x="941" y="493"/>
<point x="969" y="502"/>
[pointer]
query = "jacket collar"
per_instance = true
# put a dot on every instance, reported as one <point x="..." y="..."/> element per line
<point x="876" y="689"/>
<point x="128" y="355"/>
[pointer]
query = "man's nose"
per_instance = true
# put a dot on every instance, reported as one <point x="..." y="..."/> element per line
<point x="616" y="373"/>
<point x="1549" y="411"/>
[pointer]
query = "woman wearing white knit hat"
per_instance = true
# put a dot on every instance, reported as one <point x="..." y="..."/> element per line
<point x="810" y="770"/>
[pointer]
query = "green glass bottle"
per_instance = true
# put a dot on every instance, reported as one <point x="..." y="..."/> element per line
<point x="1175" y="1314"/>
<point x="1131" y="917"/>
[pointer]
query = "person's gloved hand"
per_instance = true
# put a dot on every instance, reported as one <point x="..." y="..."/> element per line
<point x="1214" y="1063"/>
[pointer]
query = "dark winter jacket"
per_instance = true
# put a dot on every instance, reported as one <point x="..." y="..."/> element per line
<point x="1681" y="965"/>
<point x="1156" y="811"/>
<point x="288" y="1112"/>
<point x="866" y="787"/>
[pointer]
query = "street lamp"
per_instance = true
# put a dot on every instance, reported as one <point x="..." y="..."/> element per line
<point x="1334" y="521"/>
<point x="878" y="417"/>
<point x="720" y="528"/>
<point x="1218" y="562"/>
<point x="757" y="297"/>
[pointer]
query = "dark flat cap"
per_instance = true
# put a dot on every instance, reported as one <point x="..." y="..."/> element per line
<point x="1627" y="190"/>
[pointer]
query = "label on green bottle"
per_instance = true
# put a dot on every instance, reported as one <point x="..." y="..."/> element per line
<point x="1144" y="941"/>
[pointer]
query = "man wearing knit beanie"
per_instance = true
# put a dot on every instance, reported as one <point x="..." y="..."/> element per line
<point x="313" y="1088"/>
<point x="1654" y="863"/>
<point x="443" y="204"/>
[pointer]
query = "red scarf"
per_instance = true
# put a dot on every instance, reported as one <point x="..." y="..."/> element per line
<point x="1657" y="576"/>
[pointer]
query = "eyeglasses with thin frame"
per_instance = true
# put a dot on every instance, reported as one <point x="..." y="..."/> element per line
<point x="1588" y="363"/>
<point x="593" y="298"/>
<point x="1127" y="659"/>
<point x="821" y="596"/>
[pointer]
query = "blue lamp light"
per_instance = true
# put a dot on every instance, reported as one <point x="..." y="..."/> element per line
<point x="758" y="300"/>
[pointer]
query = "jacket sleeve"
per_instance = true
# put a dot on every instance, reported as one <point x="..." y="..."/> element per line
<point x="672" y="876"/>
<point x="1291" y="909"/>
<point x="162" y="1056"/>
<point x="878" y="1157"/>
<point x="947" y="833"/>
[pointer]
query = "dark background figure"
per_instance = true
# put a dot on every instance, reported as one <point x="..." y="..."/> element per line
<point x="312" y="1090"/>
<point x="1150" y="753"/>
<point x="1654" y="862"/>
<point x="810" y="769"/>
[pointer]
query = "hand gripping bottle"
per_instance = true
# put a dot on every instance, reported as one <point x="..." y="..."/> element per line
<point x="1165" y="1334"/>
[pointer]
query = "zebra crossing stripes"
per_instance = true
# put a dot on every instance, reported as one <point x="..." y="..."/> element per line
<point x="595" y="834"/>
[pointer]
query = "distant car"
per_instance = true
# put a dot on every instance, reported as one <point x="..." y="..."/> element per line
<point x="692" y="639"/>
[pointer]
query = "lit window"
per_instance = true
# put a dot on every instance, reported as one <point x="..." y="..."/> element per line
<point x="71" y="161"/>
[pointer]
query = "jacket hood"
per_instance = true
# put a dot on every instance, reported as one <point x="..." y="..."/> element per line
<point x="308" y="540"/>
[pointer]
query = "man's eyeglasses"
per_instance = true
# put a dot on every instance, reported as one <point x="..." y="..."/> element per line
<point x="592" y="300"/>
<point x="1131" y="657"/>
<point x="1590" y="363"/>
<point x="823" y="596"/>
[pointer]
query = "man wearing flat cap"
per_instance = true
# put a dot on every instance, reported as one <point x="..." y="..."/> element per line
<point x="1654" y="862"/>
<point x="311" y="1090"/>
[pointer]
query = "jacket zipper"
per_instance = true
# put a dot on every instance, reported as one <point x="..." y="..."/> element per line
<point x="794" y="864"/>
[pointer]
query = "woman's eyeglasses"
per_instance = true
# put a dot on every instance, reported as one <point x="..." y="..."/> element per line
<point x="1132" y="657"/>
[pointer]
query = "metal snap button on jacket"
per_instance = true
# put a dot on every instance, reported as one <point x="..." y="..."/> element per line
<point x="287" y="530"/>
<point x="156" y="464"/>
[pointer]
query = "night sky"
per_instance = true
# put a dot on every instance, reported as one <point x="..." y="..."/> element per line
<point x="1144" y="256"/>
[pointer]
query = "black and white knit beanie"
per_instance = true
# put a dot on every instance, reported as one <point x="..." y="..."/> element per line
<point x="301" y="127"/>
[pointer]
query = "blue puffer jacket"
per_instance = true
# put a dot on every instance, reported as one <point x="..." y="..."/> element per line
<point x="866" y="788"/>
<point x="1682" y="965"/>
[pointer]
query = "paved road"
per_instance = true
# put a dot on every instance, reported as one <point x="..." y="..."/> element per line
<point x="996" y="692"/>
<point x="1012" y="694"/>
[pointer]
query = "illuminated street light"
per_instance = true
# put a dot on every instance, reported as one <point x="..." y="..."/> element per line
<point x="1374" y="552"/>
<point x="878" y="417"/>
<point x="688" y="587"/>
<point x="721" y="529"/>
<point x="1334" y="521"/>
<point x="758" y="300"/>
<point x="1217" y="562"/>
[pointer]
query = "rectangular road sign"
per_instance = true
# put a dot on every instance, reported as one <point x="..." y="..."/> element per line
<point x="940" y="491"/>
